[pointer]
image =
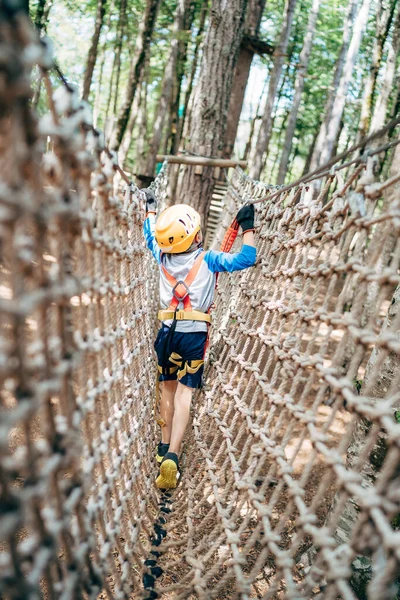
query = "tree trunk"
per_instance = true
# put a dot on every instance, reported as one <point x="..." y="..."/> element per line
<point x="384" y="17"/>
<point x="211" y="98"/>
<point x="255" y="9"/>
<point x="171" y="123"/>
<point x="381" y="106"/>
<point x="310" y="153"/>
<point x="249" y="143"/>
<point x="199" y="40"/>
<point x="108" y="121"/>
<point x="96" y="106"/>
<point x="340" y="98"/>
<point x="142" y="47"/>
<point x="298" y="90"/>
<point x="115" y="72"/>
<point x="396" y="103"/>
<point x="278" y="97"/>
<point x="282" y="126"/>
<point x="320" y="141"/>
<point x="127" y="140"/>
<point x="172" y="137"/>
<point x="264" y="135"/>
<point x="295" y="153"/>
<point x="167" y="88"/>
<point x="92" y="55"/>
<point x="98" y="95"/>
<point x="239" y="88"/>
<point x="250" y="138"/>
<point x="118" y="49"/>
<point x="174" y="129"/>
<point x="140" y="158"/>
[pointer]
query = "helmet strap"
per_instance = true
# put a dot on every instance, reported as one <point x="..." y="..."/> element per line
<point x="193" y="247"/>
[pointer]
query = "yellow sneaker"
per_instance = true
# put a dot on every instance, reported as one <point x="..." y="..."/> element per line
<point x="169" y="472"/>
<point x="162" y="450"/>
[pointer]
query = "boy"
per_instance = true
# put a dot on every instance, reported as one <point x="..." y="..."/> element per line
<point x="187" y="283"/>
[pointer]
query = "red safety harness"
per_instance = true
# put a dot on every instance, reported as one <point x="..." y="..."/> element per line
<point x="180" y="289"/>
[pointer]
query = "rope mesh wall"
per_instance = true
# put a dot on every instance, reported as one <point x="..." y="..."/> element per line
<point x="77" y="437"/>
<point x="291" y="465"/>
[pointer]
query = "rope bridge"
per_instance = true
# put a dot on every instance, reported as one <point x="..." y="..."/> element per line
<point x="291" y="466"/>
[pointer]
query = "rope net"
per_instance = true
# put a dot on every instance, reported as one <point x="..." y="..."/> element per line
<point x="290" y="469"/>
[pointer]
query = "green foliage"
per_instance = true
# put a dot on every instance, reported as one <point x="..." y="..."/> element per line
<point x="325" y="50"/>
<point x="272" y="19"/>
<point x="71" y="26"/>
<point x="396" y="522"/>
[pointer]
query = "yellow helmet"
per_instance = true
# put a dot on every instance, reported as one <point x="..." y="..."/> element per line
<point x="176" y="228"/>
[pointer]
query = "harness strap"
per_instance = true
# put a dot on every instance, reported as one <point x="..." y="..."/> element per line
<point x="230" y="236"/>
<point x="169" y="371"/>
<point x="180" y="289"/>
<point x="191" y="367"/>
<point x="184" y="366"/>
<point x="183" y="315"/>
<point x="176" y="359"/>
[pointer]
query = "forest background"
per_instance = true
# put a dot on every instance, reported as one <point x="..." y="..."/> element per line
<point x="318" y="76"/>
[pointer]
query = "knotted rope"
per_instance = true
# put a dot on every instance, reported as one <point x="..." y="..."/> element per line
<point x="293" y="448"/>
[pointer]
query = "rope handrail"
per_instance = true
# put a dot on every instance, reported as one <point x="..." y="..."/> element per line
<point x="326" y="169"/>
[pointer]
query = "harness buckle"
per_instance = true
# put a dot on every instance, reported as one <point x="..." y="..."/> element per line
<point x="175" y="292"/>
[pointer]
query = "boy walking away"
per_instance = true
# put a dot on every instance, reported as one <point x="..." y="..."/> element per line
<point x="187" y="284"/>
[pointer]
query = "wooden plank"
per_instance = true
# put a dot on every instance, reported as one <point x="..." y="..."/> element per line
<point x="202" y="161"/>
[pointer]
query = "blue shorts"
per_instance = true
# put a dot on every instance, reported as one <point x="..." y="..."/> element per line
<point x="181" y="356"/>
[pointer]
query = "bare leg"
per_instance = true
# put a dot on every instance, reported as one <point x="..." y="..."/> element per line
<point x="183" y="398"/>
<point x="167" y="408"/>
<point x="168" y="476"/>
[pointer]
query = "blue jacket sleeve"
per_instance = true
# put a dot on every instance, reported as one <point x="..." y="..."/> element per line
<point x="223" y="261"/>
<point x="148" y="230"/>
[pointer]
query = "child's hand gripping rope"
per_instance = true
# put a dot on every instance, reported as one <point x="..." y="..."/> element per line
<point x="151" y="201"/>
<point x="244" y="219"/>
